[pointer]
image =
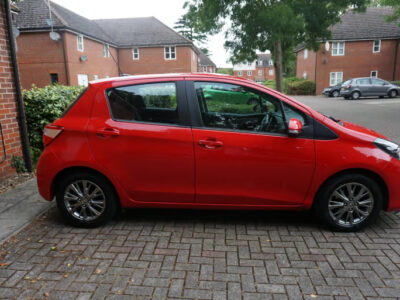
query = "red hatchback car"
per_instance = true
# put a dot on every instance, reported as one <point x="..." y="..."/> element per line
<point x="212" y="142"/>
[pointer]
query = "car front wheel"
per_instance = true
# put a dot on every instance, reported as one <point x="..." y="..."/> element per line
<point x="86" y="199"/>
<point x="335" y="94"/>
<point x="393" y="94"/>
<point x="349" y="202"/>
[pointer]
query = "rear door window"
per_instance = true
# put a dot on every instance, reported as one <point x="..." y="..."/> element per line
<point x="151" y="103"/>
<point x="363" y="81"/>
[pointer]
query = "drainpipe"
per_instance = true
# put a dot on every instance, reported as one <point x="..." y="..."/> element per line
<point x="21" y="113"/>
<point x="395" y="59"/>
<point x="65" y="59"/>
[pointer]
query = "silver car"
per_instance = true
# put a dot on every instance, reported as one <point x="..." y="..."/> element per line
<point x="368" y="86"/>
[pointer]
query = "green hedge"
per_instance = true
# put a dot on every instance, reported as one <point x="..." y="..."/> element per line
<point x="43" y="106"/>
<point x="302" y="87"/>
<point x="396" y="82"/>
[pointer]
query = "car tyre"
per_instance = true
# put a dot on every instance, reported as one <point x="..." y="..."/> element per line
<point x="393" y="94"/>
<point x="348" y="216"/>
<point x="335" y="94"/>
<point x="86" y="199"/>
<point x="355" y="95"/>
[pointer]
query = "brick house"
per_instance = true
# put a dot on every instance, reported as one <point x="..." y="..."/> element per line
<point x="205" y="64"/>
<point x="259" y="70"/>
<point x="13" y="141"/>
<point x="362" y="45"/>
<point x="84" y="50"/>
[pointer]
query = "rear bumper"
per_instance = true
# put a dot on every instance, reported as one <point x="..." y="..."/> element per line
<point x="45" y="172"/>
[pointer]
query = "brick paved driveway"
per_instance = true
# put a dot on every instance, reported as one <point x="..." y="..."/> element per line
<point x="167" y="254"/>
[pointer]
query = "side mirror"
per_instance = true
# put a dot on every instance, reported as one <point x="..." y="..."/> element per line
<point x="295" y="127"/>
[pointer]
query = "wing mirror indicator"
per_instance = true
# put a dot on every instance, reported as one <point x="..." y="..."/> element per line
<point x="295" y="127"/>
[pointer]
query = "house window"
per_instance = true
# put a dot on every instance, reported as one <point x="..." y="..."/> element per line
<point x="337" y="48"/>
<point x="271" y="72"/>
<point x="249" y="73"/>
<point x="270" y="63"/>
<point x="335" y="78"/>
<point x="169" y="53"/>
<point x="305" y="53"/>
<point x="135" y="53"/>
<point x="377" y="46"/>
<point x="249" y="64"/>
<point x="305" y="75"/>
<point x="374" y="73"/>
<point x="240" y="73"/>
<point x="210" y="70"/>
<point x="95" y="77"/>
<point x="83" y="79"/>
<point x="204" y="69"/>
<point x="79" y="40"/>
<point x="259" y="62"/>
<point x="106" y="50"/>
<point x="54" y="78"/>
<point x="259" y="72"/>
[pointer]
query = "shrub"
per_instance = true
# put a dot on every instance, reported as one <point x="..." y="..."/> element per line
<point x="301" y="87"/>
<point x="18" y="163"/>
<point x="396" y="82"/>
<point x="43" y="106"/>
<point x="287" y="81"/>
<point x="270" y="83"/>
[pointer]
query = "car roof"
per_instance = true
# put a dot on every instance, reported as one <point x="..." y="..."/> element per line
<point x="166" y="75"/>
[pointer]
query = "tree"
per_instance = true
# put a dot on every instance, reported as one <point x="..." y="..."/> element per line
<point x="275" y="25"/>
<point x="395" y="4"/>
<point x="186" y="28"/>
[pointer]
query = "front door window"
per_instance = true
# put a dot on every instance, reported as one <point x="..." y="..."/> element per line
<point x="234" y="107"/>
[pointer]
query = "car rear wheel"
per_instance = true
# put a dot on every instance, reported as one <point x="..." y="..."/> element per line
<point x="335" y="94"/>
<point x="349" y="202"/>
<point x="393" y="94"/>
<point x="355" y="95"/>
<point x="86" y="199"/>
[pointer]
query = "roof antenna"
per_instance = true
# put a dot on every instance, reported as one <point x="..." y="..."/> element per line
<point x="53" y="35"/>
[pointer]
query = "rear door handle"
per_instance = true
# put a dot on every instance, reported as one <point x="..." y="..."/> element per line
<point x="107" y="132"/>
<point x="210" y="143"/>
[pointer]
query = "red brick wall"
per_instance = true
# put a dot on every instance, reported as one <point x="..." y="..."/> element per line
<point x="8" y="104"/>
<point x="306" y="65"/>
<point x="358" y="61"/>
<point x="151" y="60"/>
<point x="96" y="64"/>
<point x="38" y="57"/>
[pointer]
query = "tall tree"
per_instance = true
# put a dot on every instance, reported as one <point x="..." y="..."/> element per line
<point x="275" y="25"/>
<point x="395" y="4"/>
<point x="186" y="28"/>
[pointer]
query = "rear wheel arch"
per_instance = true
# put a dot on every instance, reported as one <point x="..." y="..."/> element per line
<point x="368" y="173"/>
<point x="77" y="170"/>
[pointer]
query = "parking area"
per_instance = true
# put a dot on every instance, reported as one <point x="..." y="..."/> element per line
<point x="188" y="254"/>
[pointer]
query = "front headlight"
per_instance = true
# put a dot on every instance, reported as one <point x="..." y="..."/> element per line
<point x="389" y="147"/>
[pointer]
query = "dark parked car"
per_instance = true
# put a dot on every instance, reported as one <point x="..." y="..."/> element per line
<point x="368" y="86"/>
<point x="333" y="91"/>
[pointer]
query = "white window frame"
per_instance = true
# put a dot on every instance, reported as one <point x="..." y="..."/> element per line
<point x="95" y="77"/>
<point x="205" y="69"/>
<point x="249" y="73"/>
<point x="170" y="52"/>
<point x="305" y="53"/>
<point x="337" y="48"/>
<point x="79" y="43"/>
<point x="379" y="46"/>
<point x="240" y="73"/>
<point x="86" y="79"/>
<point x="134" y="54"/>
<point x="271" y="72"/>
<point x="106" y="50"/>
<point x="259" y="62"/>
<point x="376" y="75"/>
<point x="260" y="72"/>
<point x="334" y="79"/>
<point x="270" y="63"/>
<point x="304" y="75"/>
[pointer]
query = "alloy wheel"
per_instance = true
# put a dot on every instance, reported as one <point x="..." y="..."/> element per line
<point x="393" y="94"/>
<point x="84" y="200"/>
<point x="350" y="204"/>
<point x="335" y="94"/>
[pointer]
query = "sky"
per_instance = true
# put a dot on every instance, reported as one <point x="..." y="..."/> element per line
<point x="167" y="11"/>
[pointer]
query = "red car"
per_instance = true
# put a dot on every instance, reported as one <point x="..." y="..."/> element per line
<point x="155" y="141"/>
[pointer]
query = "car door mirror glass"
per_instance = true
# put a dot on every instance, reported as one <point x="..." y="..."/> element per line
<point x="295" y="127"/>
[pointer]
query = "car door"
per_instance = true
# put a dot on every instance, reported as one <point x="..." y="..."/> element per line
<point x="379" y="87"/>
<point x="140" y="133"/>
<point x="243" y="157"/>
<point x="365" y="87"/>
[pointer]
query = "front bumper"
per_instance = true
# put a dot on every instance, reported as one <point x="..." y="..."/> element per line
<point x="392" y="172"/>
<point x="326" y="92"/>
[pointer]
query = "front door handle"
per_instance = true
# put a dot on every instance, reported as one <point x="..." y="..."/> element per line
<point x="107" y="132"/>
<point x="210" y="144"/>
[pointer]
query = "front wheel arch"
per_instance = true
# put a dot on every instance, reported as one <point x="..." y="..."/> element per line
<point x="77" y="170"/>
<point x="372" y="175"/>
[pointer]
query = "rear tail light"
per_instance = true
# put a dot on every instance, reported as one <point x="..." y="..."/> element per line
<point x="50" y="133"/>
<point x="349" y="86"/>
